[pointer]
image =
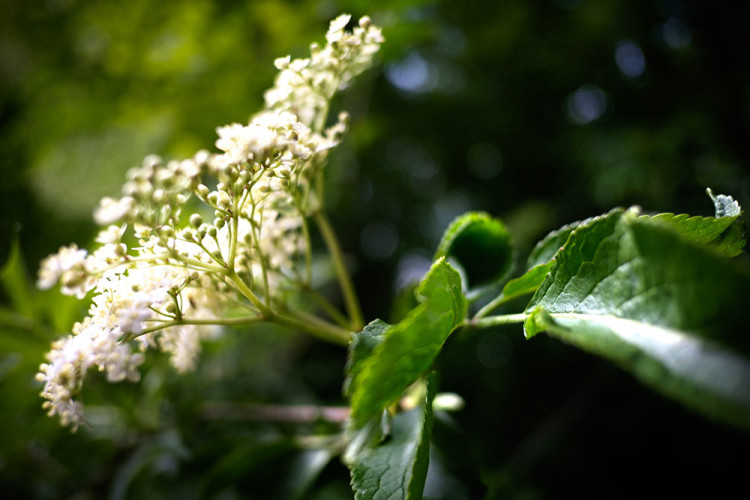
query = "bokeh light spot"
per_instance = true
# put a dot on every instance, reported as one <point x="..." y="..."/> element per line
<point x="630" y="59"/>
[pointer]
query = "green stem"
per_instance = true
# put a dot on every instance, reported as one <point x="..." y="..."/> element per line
<point x="327" y="307"/>
<point x="241" y="320"/>
<point x="248" y="294"/>
<point x="500" y="300"/>
<point x="314" y="326"/>
<point x="190" y="261"/>
<point x="233" y="238"/>
<point x="308" y="251"/>
<point x="493" y="304"/>
<point x="503" y="319"/>
<point x="347" y="288"/>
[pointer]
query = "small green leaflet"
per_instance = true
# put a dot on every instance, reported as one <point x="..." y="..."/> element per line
<point x="361" y="348"/>
<point x="408" y="349"/>
<point x="634" y="290"/>
<point x="397" y="468"/>
<point x="528" y="282"/>
<point x="481" y="244"/>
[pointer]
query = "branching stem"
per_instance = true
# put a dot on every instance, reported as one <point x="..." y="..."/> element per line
<point x="347" y="288"/>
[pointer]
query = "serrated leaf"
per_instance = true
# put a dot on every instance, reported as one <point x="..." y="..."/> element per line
<point x="481" y="244"/>
<point x="545" y="250"/>
<point x="397" y="468"/>
<point x="638" y="294"/>
<point x="409" y="347"/>
<point x="723" y="234"/>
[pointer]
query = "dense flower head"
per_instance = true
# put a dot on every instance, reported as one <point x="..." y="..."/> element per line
<point x="200" y="249"/>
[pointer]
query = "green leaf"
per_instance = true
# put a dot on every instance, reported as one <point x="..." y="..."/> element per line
<point x="545" y="250"/>
<point x="637" y="293"/>
<point x="409" y="347"/>
<point x="16" y="282"/>
<point x="397" y="468"/>
<point x="481" y="244"/>
<point x="361" y="347"/>
<point x="723" y="234"/>
<point x="528" y="282"/>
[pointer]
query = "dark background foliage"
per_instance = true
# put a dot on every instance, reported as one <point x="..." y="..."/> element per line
<point x="538" y="112"/>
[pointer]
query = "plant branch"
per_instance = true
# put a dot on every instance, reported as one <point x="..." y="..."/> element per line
<point x="314" y="326"/>
<point x="503" y="319"/>
<point x="297" y="414"/>
<point x="240" y="320"/>
<point x="347" y="288"/>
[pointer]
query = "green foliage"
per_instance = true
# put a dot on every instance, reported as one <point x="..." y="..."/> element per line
<point x="481" y="245"/>
<point x="632" y="289"/>
<point x="90" y="88"/>
<point x="723" y="234"/>
<point x="528" y="283"/>
<point x="408" y="348"/>
<point x="398" y="467"/>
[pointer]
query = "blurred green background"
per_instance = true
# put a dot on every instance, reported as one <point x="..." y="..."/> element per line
<point x="540" y="112"/>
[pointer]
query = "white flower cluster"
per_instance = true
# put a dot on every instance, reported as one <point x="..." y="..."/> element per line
<point x="168" y="291"/>
<point x="305" y="86"/>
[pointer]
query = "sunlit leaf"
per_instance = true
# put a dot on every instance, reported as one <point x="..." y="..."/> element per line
<point x="633" y="290"/>
<point x="723" y="234"/>
<point x="409" y="347"/>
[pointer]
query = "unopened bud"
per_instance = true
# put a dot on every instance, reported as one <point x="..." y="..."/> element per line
<point x="157" y="196"/>
<point x="196" y="220"/>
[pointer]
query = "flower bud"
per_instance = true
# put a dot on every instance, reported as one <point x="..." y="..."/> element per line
<point x="196" y="220"/>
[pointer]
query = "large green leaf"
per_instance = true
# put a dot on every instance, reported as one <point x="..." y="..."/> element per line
<point x="635" y="291"/>
<point x="481" y="244"/>
<point x="397" y="468"/>
<point x="376" y="381"/>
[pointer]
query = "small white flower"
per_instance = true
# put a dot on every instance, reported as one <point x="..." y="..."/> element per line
<point x="54" y="266"/>
<point x="111" y="210"/>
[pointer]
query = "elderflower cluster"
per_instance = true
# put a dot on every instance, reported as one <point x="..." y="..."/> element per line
<point x="195" y="250"/>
